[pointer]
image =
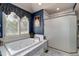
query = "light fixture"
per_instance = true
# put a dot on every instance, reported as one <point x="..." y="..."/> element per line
<point x="39" y="4"/>
<point x="58" y="9"/>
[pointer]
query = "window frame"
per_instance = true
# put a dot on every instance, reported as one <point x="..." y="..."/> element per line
<point x="14" y="36"/>
<point x="26" y="26"/>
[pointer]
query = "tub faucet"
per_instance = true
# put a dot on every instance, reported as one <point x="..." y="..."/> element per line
<point x="1" y="43"/>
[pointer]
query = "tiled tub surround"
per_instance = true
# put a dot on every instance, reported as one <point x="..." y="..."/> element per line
<point x="27" y="47"/>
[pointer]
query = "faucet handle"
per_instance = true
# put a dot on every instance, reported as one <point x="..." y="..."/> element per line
<point x="1" y="43"/>
<point x="44" y="37"/>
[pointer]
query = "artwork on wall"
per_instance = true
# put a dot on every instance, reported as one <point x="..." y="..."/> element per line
<point x="37" y="21"/>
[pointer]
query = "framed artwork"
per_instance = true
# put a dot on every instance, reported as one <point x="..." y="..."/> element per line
<point x="37" y="21"/>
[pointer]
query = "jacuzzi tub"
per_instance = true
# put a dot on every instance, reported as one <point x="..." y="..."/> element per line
<point x="18" y="46"/>
<point x="22" y="47"/>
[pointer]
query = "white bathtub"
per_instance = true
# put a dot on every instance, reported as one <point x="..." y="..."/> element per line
<point x="18" y="46"/>
<point x="24" y="47"/>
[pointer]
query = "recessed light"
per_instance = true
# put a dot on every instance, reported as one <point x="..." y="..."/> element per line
<point x="58" y="9"/>
<point x="39" y="3"/>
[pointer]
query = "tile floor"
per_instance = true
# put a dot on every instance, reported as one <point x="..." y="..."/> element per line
<point x="54" y="52"/>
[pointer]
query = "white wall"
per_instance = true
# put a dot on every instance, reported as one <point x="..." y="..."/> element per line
<point x="61" y="33"/>
<point x="65" y="12"/>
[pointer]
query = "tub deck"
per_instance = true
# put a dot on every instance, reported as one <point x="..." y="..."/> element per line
<point x="24" y="47"/>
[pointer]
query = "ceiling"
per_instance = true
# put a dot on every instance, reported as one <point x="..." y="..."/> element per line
<point x="49" y="7"/>
<point x="25" y="6"/>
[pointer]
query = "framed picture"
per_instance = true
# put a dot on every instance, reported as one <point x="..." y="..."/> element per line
<point x="37" y="21"/>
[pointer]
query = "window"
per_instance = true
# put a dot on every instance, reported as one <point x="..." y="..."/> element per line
<point x="14" y="25"/>
<point x="11" y="24"/>
<point x="24" y="25"/>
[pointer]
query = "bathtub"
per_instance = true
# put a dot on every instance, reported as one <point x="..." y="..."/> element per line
<point x="23" y="47"/>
